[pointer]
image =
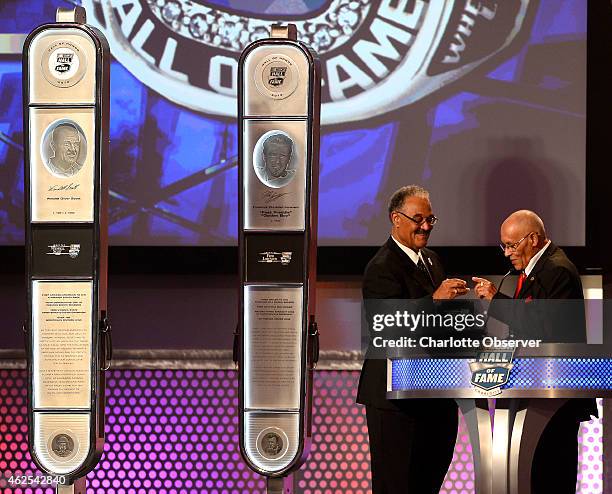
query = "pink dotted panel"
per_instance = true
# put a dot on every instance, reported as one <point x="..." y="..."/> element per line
<point x="590" y="442"/>
<point x="171" y="432"/>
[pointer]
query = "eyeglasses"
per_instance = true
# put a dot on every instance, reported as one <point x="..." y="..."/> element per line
<point x="419" y="220"/>
<point x="514" y="246"/>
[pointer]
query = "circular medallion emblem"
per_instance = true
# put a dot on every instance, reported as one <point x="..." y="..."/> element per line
<point x="63" y="64"/>
<point x="277" y="76"/>
<point x="63" y="148"/>
<point x="272" y="443"/>
<point x="62" y="446"/>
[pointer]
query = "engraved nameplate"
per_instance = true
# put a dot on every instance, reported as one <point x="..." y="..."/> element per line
<point x="273" y="336"/>
<point x="62" y="251"/>
<point x="62" y="150"/>
<point x="275" y="258"/>
<point x="275" y="175"/>
<point x="61" y="333"/>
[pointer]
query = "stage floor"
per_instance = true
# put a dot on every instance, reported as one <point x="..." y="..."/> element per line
<point x="176" y="431"/>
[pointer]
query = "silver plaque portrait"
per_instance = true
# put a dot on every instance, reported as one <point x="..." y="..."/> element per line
<point x="272" y="443"/>
<point x="63" y="63"/>
<point x="62" y="165"/>
<point x="277" y="76"/>
<point x="275" y="169"/>
<point x="274" y="159"/>
<point x="63" y="148"/>
<point x="62" y="446"/>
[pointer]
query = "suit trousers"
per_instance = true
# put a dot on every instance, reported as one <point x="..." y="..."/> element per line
<point x="410" y="452"/>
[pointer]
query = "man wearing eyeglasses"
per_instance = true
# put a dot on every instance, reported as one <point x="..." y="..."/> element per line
<point x="546" y="273"/>
<point x="400" y="431"/>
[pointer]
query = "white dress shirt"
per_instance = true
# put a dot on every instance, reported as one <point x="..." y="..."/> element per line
<point x="414" y="256"/>
<point x="535" y="259"/>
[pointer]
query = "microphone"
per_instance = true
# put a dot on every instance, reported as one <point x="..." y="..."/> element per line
<point x="511" y="271"/>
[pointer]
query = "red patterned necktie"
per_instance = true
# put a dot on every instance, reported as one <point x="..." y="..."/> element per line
<point x="519" y="284"/>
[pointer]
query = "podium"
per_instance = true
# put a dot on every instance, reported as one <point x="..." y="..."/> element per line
<point x="536" y="388"/>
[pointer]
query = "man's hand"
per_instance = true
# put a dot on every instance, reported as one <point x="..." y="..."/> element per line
<point x="450" y="288"/>
<point x="484" y="288"/>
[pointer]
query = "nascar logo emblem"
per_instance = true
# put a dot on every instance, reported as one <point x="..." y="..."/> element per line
<point x="376" y="56"/>
<point x="491" y="370"/>
<point x="73" y="250"/>
<point x="283" y="258"/>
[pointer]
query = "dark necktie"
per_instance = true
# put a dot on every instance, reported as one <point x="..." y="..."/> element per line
<point x="519" y="284"/>
<point x="421" y="266"/>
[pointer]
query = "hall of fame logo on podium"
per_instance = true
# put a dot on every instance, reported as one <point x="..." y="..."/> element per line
<point x="491" y="370"/>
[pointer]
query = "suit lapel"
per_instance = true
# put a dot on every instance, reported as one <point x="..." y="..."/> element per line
<point x="401" y="255"/>
<point x="529" y="282"/>
<point x="411" y="268"/>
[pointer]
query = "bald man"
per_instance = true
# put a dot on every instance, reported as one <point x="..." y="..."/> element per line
<point x="545" y="273"/>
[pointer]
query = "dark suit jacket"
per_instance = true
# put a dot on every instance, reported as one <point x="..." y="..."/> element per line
<point x="550" y="307"/>
<point x="552" y="302"/>
<point x="391" y="274"/>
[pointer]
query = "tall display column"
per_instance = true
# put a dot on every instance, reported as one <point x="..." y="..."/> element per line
<point x="66" y="118"/>
<point x="279" y="106"/>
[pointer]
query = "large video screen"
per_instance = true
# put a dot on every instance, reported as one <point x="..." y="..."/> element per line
<point x="482" y="102"/>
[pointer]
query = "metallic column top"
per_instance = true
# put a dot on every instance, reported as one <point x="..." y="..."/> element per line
<point x="77" y="15"/>
<point x="288" y="31"/>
